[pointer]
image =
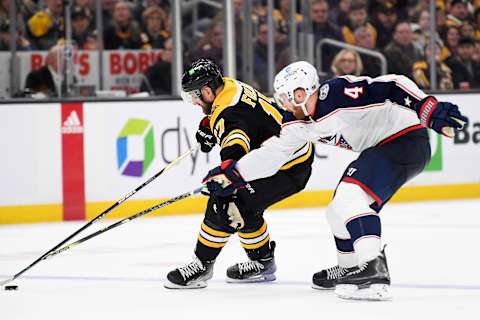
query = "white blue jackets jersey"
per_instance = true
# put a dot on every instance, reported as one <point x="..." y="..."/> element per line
<point x="355" y="113"/>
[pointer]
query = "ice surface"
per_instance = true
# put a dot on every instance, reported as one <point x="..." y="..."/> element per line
<point x="432" y="249"/>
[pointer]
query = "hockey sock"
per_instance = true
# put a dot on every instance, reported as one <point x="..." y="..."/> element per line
<point x="210" y="242"/>
<point x="345" y="253"/>
<point x="365" y="232"/>
<point x="256" y="242"/>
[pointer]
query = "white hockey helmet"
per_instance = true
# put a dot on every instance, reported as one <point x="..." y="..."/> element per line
<point x="300" y="74"/>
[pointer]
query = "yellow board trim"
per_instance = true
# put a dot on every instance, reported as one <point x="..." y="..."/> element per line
<point x="305" y="199"/>
<point x="214" y="232"/>
<point x="256" y="245"/>
<point x="251" y="235"/>
<point x="210" y="243"/>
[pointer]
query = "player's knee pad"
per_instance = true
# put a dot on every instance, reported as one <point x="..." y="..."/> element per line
<point x="350" y="214"/>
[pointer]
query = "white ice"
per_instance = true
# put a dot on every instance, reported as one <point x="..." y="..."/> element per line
<point x="432" y="249"/>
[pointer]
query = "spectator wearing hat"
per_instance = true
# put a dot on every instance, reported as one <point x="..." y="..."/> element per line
<point x="124" y="32"/>
<point x="371" y="65"/>
<point x="421" y="69"/>
<point x="457" y="13"/>
<point x="158" y="77"/>
<point x="400" y="52"/>
<point x="357" y="17"/>
<point x="466" y="72"/>
<point x="45" y="28"/>
<point x="323" y="28"/>
<point x="154" y="20"/>
<point x="22" y="43"/>
<point x="81" y="35"/>
<point x="384" y="20"/>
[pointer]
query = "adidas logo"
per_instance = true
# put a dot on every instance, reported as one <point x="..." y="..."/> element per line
<point x="72" y="124"/>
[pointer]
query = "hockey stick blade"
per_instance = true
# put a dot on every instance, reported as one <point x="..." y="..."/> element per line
<point x="105" y="212"/>
<point x="125" y="220"/>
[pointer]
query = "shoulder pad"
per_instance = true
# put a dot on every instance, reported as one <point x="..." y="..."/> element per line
<point x="39" y="24"/>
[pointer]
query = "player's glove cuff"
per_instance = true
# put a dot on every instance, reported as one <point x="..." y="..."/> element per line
<point x="425" y="109"/>
<point x="224" y="180"/>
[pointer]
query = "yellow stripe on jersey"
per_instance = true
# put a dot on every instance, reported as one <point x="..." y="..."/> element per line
<point x="256" y="245"/>
<point x="299" y="159"/>
<point x="227" y="97"/>
<point x="235" y="131"/>
<point x="239" y="142"/>
<point x="210" y="243"/>
<point x="251" y="235"/>
<point x="271" y="110"/>
<point x="214" y="232"/>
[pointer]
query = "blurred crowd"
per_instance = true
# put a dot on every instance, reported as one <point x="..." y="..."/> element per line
<point x="399" y="29"/>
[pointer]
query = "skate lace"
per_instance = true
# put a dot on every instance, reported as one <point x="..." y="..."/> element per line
<point x="360" y="268"/>
<point x="336" y="272"/>
<point x="244" y="267"/>
<point x="191" y="269"/>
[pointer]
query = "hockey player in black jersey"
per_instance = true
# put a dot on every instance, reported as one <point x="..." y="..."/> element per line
<point x="238" y="119"/>
<point x="384" y="119"/>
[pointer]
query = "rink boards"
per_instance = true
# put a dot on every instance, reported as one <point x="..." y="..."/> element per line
<point x="70" y="161"/>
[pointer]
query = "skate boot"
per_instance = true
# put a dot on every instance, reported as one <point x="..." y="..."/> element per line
<point x="369" y="281"/>
<point x="192" y="276"/>
<point x="327" y="278"/>
<point x="261" y="270"/>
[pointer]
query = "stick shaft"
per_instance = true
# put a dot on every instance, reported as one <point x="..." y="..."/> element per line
<point x="103" y="214"/>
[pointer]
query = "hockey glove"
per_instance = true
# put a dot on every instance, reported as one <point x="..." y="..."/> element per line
<point x="224" y="180"/>
<point x="227" y="211"/>
<point x="443" y="117"/>
<point x="205" y="136"/>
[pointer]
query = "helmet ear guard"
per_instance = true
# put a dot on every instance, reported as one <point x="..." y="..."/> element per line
<point x="297" y="75"/>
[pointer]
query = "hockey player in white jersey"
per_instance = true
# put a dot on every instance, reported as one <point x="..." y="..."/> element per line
<point x="383" y="119"/>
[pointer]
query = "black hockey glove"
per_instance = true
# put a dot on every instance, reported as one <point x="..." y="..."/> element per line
<point x="205" y="136"/>
<point x="224" y="180"/>
<point x="443" y="117"/>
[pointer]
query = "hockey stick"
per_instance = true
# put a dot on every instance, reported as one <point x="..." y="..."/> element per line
<point x="103" y="214"/>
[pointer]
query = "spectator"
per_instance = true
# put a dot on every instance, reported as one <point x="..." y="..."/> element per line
<point x="416" y="10"/>
<point x="155" y="19"/>
<point x="357" y="17"/>
<point x="260" y="54"/>
<point x="467" y="30"/>
<point x="421" y="70"/>
<point x="143" y="5"/>
<point x="282" y="16"/>
<point x="158" y="77"/>
<point x="451" y="39"/>
<point x="210" y="46"/>
<point x="385" y="19"/>
<point x="476" y="20"/>
<point x="476" y="52"/>
<point x="421" y="31"/>
<point x="371" y="65"/>
<point x="124" y="32"/>
<point x="22" y="43"/>
<point x="347" y="62"/>
<point x="458" y="13"/>
<point x="322" y="28"/>
<point x="81" y="35"/>
<point x="86" y="4"/>
<point x="441" y="16"/>
<point x="45" y="27"/>
<point x="48" y="79"/>
<point x="466" y="72"/>
<point x="339" y="15"/>
<point x="401" y="53"/>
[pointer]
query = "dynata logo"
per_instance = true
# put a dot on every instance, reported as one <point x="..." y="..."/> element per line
<point x="135" y="147"/>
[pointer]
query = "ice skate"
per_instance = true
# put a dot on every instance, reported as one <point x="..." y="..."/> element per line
<point x="326" y="279"/>
<point x="261" y="270"/>
<point x="369" y="281"/>
<point x="192" y="276"/>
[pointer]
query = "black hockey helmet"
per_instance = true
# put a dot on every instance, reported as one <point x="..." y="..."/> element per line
<point x="202" y="72"/>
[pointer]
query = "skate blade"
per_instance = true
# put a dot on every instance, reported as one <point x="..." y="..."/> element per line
<point x="260" y="278"/>
<point x="376" y="292"/>
<point x="317" y="287"/>
<point x="196" y="285"/>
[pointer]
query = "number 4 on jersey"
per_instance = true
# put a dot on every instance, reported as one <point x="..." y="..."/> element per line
<point x="353" y="92"/>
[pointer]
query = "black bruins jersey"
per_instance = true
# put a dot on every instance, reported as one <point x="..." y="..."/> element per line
<point x="243" y="118"/>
